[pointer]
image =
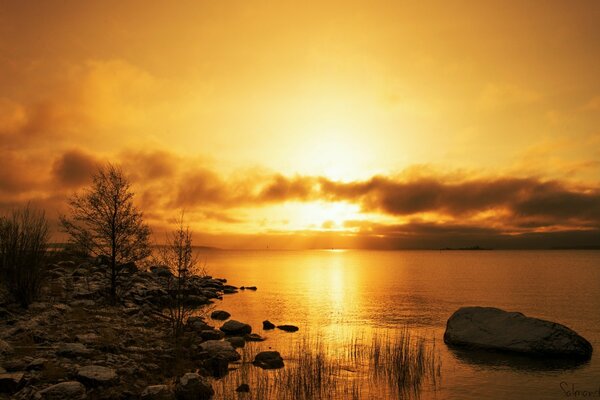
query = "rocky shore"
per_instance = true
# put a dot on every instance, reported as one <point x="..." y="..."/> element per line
<point x="72" y="344"/>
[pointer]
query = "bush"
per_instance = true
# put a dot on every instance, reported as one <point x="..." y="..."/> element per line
<point x="23" y="249"/>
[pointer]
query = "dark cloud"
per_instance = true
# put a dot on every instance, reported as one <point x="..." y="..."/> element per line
<point x="74" y="168"/>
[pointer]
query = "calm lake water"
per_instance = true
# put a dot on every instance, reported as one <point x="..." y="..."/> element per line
<point x="337" y="294"/>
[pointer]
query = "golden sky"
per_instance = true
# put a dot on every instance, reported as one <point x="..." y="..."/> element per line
<point x="313" y="124"/>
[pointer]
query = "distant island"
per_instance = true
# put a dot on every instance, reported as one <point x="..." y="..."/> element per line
<point x="466" y="248"/>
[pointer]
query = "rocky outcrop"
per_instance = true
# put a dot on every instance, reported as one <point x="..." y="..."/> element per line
<point x="495" y="329"/>
<point x="268" y="360"/>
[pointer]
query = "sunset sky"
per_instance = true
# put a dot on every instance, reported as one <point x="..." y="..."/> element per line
<point x="313" y="124"/>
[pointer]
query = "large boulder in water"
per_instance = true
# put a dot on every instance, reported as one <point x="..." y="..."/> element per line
<point x="495" y="329"/>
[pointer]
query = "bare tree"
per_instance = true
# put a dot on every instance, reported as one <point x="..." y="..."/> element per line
<point x="104" y="222"/>
<point x="178" y="256"/>
<point x="23" y="248"/>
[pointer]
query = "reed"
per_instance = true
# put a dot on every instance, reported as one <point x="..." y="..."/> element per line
<point x="394" y="365"/>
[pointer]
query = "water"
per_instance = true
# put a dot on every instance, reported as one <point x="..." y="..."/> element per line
<point x="338" y="294"/>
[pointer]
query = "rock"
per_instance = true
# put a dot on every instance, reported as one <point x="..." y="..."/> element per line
<point x="63" y="391"/>
<point x="243" y="388"/>
<point x="254" y="337"/>
<point x="88" y="338"/>
<point x="494" y="329"/>
<point x="233" y="327"/>
<point x="192" y="386"/>
<point x="220" y="348"/>
<point x="217" y="366"/>
<point x="96" y="375"/>
<point x="268" y="360"/>
<point x="288" y="328"/>
<point x="5" y="348"/>
<point x="162" y="271"/>
<point x="10" y="382"/>
<point x="72" y="350"/>
<point x="128" y="268"/>
<point x="211" y="334"/>
<point x="158" y="392"/>
<point x="220" y="315"/>
<point x="236" y="341"/>
<point x="251" y="288"/>
<point x="268" y="325"/>
<point x="36" y="364"/>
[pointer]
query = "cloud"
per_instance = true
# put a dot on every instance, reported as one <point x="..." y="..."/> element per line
<point x="74" y="168"/>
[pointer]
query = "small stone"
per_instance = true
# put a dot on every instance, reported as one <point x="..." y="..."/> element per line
<point x="268" y="360"/>
<point x="63" y="391"/>
<point x="96" y="375"/>
<point x="267" y="325"/>
<point x="158" y="392"/>
<point x="220" y="315"/>
<point x="251" y="288"/>
<point x="243" y="388"/>
<point x="192" y="386"/>
<point x="288" y="328"/>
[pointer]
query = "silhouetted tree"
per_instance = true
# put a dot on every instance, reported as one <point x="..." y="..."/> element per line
<point x="178" y="256"/>
<point x="24" y="238"/>
<point x="103" y="221"/>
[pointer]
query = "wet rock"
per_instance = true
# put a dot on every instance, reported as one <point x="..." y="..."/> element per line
<point x="254" y="337"/>
<point x="217" y="366"/>
<point x="158" y="392"/>
<point x="10" y="382"/>
<point x="251" y="288"/>
<point x="267" y="325"/>
<point x="236" y="341"/>
<point x="236" y="328"/>
<point x="220" y="348"/>
<point x="211" y="334"/>
<point x="288" y="328"/>
<point x="243" y="388"/>
<point x="228" y="289"/>
<point x="96" y="375"/>
<point x="499" y="330"/>
<point x="63" y="391"/>
<point x="192" y="386"/>
<point x="73" y="350"/>
<point x="220" y="315"/>
<point x="268" y="360"/>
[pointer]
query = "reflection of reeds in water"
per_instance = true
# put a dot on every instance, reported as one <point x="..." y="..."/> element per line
<point x="397" y="365"/>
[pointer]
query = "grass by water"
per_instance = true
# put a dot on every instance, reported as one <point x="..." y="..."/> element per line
<point x="384" y="364"/>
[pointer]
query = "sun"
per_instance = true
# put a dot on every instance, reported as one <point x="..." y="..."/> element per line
<point x="327" y="216"/>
